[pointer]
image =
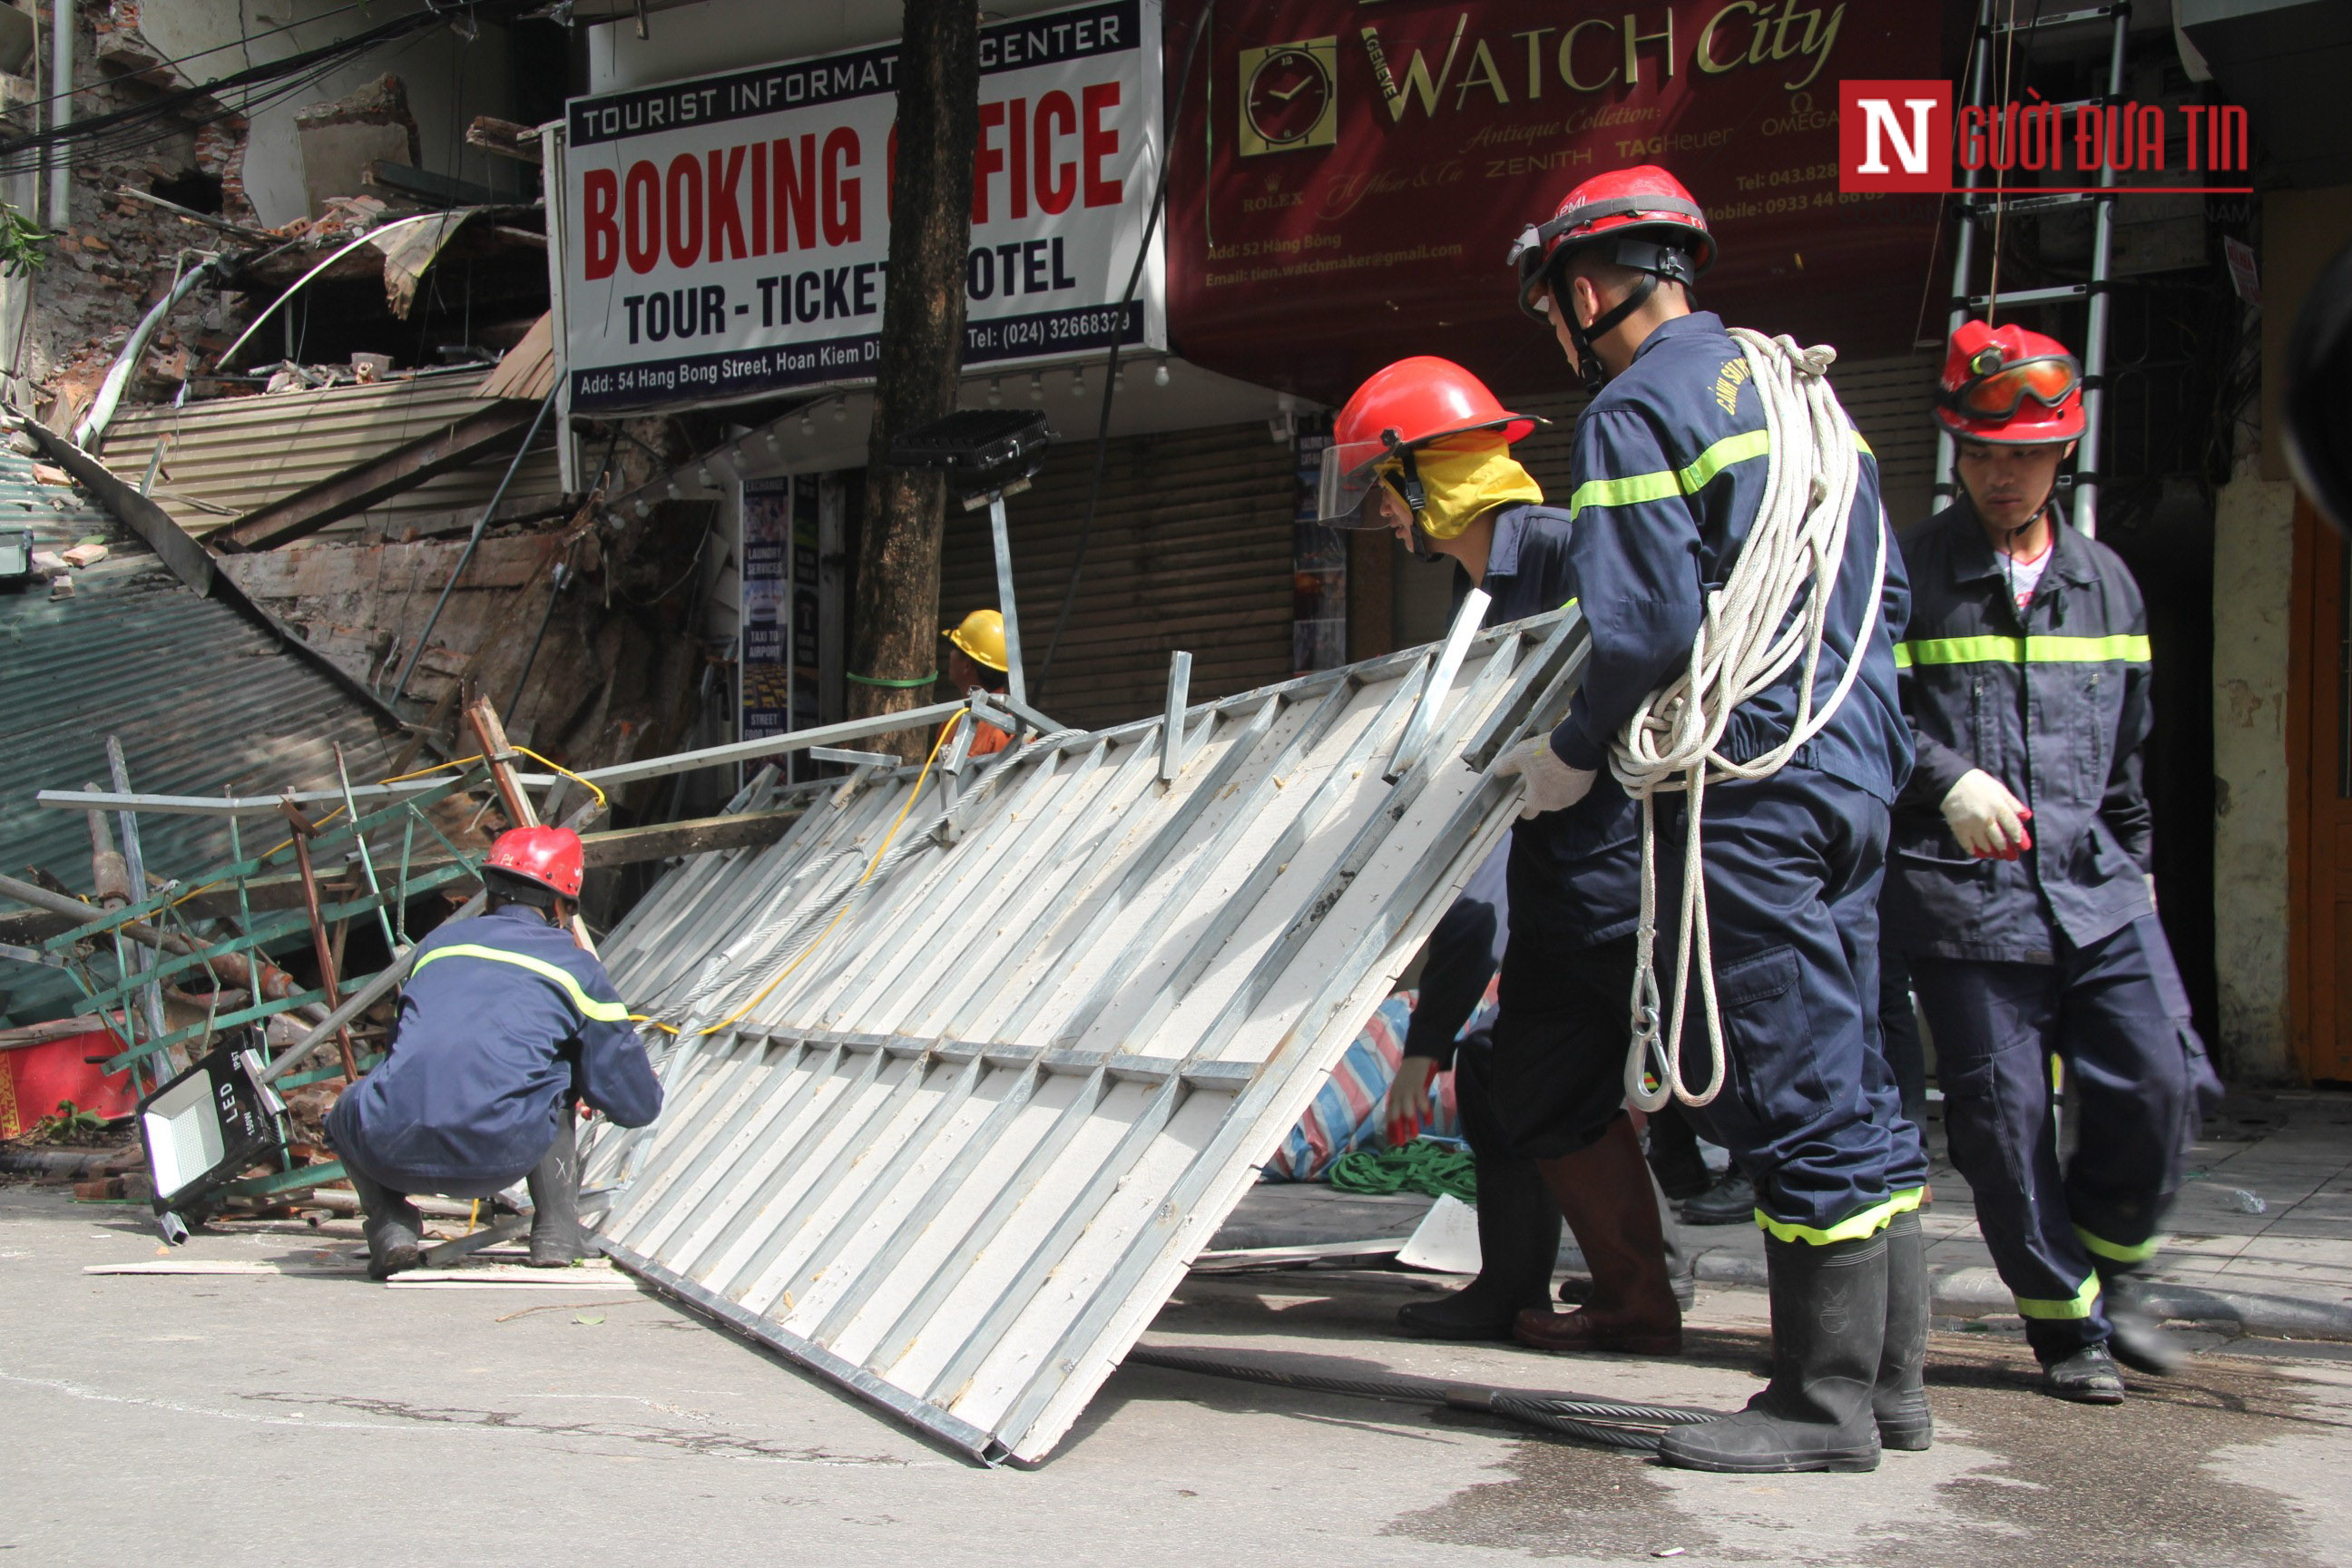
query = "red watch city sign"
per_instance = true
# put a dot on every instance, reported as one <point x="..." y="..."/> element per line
<point x="1347" y="178"/>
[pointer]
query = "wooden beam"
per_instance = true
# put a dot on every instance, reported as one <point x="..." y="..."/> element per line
<point x="355" y="490"/>
<point x="505" y="138"/>
<point x="697" y="835"/>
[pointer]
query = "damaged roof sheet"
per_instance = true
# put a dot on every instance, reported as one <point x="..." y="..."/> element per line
<point x="201" y="696"/>
<point x="229" y="456"/>
<point x="949" y="1132"/>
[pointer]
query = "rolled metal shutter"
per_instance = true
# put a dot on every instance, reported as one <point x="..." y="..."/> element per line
<point x="1191" y="549"/>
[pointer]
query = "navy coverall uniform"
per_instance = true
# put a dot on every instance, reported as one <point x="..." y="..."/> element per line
<point x="2058" y="951"/>
<point x="1669" y="468"/>
<point x="505" y="1022"/>
<point x="1527" y="575"/>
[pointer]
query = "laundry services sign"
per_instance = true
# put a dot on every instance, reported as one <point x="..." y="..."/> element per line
<point x="729" y="237"/>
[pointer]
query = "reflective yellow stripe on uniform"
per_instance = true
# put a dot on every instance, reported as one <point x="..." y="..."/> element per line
<point x="1853" y="1227"/>
<point x="602" y="1011"/>
<point x="2119" y="648"/>
<point x="2080" y="1307"/>
<point x="2115" y="1251"/>
<point x="1636" y="488"/>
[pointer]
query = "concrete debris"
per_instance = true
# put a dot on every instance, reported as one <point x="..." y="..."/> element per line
<point x="43" y="473"/>
<point x="85" y="556"/>
<point x="340" y="140"/>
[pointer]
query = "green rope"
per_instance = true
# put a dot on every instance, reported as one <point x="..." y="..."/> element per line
<point x="1418" y="1167"/>
<point x="877" y="681"/>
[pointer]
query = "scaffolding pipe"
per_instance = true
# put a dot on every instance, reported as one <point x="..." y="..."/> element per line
<point x="60" y="161"/>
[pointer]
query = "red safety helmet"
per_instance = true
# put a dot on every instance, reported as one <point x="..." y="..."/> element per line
<point x="549" y="857"/>
<point x="1413" y="403"/>
<point x="1647" y="220"/>
<point x="2010" y="387"/>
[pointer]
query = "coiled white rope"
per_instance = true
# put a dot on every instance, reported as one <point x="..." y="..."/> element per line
<point x="1772" y="611"/>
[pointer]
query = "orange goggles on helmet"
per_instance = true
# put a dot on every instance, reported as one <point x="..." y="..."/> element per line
<point x="1997" y="390"/>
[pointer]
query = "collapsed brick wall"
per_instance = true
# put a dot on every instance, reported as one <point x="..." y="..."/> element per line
<point x="117" y="258"/>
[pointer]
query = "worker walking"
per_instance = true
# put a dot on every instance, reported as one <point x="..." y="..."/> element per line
<point x="1672" y="467"/>
<point x="505" y="1025"/>
<point x="976" y="660"/>
<point x="1423" y="450"/>
<point x="2021" y="890"/>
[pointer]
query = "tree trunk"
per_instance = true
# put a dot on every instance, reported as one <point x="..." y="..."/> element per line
<point x="895" y="617"/>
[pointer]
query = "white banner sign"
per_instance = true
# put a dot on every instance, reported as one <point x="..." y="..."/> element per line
<point x="729" y="237"/>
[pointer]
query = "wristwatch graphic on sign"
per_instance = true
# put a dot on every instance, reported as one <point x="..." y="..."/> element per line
<point x="1289" y="96"/>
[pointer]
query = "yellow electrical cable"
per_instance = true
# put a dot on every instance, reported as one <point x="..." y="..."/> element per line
<point x="912" y="796"/>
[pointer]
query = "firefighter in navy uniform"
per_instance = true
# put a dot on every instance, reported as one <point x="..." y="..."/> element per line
<point x="1422" y="450"/>
<point x="505" y="1025"/>
<point x="2020" y="887"/>
<point x="1669" y="470"/>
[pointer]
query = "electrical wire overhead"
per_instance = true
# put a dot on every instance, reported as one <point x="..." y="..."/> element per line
<point x="239" y="94"/>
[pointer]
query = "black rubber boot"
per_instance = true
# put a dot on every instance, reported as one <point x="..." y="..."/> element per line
<point x="1829" y="1320"/>
<point x="554" y="1186"/>
<point x="390" y="1222"/>
<point x="1731" y="1201"/>
<point x="1518" y="1243"/>
<point x="1900" y="1400"/>
<point x="2134" y="1336"/>
<point x="2086" y="1377"/>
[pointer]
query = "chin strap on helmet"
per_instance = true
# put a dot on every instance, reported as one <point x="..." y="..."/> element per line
<point x="1415" y="496"/>
<point x="1588" y="359"/>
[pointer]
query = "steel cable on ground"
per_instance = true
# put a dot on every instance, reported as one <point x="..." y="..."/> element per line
<point x="1772" y="610"/>
<point x="1614" y="1422"/>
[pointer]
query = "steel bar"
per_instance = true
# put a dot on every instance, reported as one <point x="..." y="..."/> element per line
<point x="248" y="805"/>
<point x="134" y="866"/>
<point x="1172" y="732"/>
<point x="1002" y="537"/>
<point x="359" y="842"/>
<point x="1441" y="676"/>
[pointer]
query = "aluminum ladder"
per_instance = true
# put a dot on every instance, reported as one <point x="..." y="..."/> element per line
<point x="1991" y="37"/>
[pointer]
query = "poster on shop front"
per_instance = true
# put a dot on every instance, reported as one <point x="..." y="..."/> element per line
<point x="727" y="236"/>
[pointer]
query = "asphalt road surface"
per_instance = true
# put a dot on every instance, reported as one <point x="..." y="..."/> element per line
<point x="311" y="1417"/>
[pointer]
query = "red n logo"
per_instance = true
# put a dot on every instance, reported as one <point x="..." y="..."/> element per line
<point x="1895" y="136"/>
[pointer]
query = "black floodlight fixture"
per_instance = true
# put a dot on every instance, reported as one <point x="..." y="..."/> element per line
<point x="985" y="451"/>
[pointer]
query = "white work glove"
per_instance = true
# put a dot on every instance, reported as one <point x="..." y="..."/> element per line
<point x="1987" y="820"/>
<point x="1552" y="784"/>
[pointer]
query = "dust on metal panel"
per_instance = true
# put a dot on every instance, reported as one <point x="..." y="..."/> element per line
<point x="949" y="1132"/>
<point x="227" y="456"/>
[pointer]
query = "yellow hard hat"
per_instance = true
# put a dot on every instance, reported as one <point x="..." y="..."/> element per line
<point x="982" y="638"/>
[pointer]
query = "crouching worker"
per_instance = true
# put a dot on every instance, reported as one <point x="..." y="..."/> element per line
<point x="506" y="1023"/>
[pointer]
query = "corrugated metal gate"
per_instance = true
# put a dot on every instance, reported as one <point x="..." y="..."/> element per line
<point x="948" y="1119"/>
<point x="1191" y="549"/>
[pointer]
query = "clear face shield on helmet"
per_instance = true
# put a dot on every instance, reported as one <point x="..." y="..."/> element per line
<point x="1356" y="481"/>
